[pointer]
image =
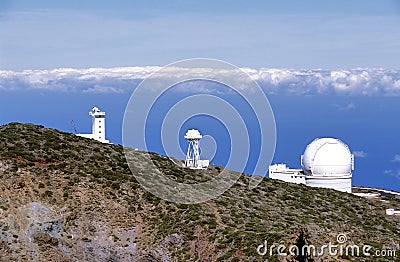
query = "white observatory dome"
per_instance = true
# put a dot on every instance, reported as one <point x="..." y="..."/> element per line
<point x="327" y="157"/>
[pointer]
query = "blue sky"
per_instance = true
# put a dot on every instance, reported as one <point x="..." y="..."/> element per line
<point x="329" y="68"/>
<point x="285" y="34"/>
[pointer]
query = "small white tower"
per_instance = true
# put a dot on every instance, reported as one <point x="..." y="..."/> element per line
<point x="193" y="155"/>
<point x="98" y="126"/>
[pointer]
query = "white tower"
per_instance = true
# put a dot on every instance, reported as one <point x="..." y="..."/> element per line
<point x="193" y="155"/>
<point x="98" y="126"/>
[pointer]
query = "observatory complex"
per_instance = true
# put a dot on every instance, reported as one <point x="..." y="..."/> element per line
<point x="326" y="162"/>
<point x="193" y="161"/>
<point x="98" y="126"/>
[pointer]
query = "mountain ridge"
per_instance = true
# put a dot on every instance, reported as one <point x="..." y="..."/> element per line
<point x="66" y="198"/>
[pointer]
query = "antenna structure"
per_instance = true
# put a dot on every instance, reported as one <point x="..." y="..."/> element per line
<point x="193" y="153"/>
<point x="74" y="126"/>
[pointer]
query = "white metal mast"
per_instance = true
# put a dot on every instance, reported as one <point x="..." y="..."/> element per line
<point x="193" y="154"/>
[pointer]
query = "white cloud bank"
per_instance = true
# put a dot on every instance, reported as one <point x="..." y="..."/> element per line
<point x="367" y="82"/>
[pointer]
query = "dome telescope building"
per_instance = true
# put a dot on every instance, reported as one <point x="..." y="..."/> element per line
<point x="326" y="162"/>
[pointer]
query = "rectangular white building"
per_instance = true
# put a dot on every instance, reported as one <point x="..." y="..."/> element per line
<point x="282" y="172"/>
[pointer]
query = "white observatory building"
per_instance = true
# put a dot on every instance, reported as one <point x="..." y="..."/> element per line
<point x="193" y="153"/>
<point x="326" y="162"/>
<point x="98" y="126"/>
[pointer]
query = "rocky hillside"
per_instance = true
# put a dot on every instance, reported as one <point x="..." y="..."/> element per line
<point x="66" y="198"/>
